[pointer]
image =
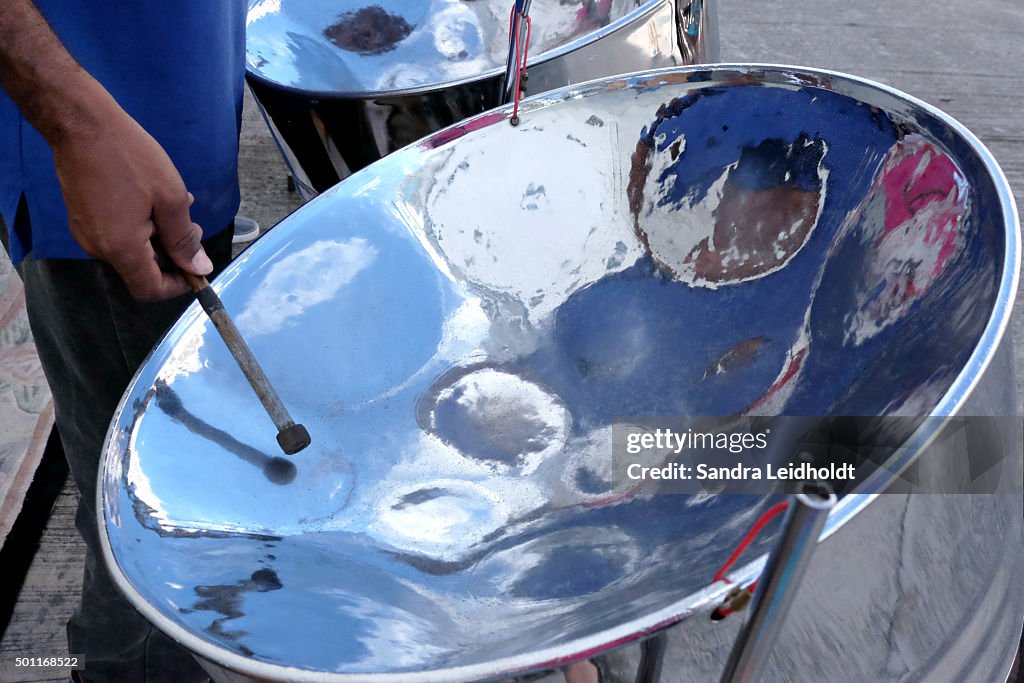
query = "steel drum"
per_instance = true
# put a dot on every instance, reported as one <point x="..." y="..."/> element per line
<point x="461" y="326"/>
<point x="342" y="84"/>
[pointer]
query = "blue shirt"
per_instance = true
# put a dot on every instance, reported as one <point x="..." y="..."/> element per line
<point x="177" y="67"/>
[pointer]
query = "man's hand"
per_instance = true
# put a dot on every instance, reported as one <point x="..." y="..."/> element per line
<point x="125" y="200"/>
<point x="123" y="194"/>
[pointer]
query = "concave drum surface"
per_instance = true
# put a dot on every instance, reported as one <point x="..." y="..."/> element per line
<point x="460" y="326"/>
<point x="342" y="84"/>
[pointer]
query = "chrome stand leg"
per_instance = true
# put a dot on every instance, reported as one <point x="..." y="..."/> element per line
<point x="805" y="519"/>
<point x="652" y="654"/>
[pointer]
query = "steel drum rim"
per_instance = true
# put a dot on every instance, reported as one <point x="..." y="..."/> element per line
<point x="847" y="508"/>
<point x="622" y="22"/>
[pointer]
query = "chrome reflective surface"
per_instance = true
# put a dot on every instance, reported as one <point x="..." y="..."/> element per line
<point x="361" y="47"/>
<point x="459" y="325"/>
<point x="337" y="99"/>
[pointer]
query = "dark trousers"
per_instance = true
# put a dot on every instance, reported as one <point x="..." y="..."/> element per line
<point x="91" y="336"/>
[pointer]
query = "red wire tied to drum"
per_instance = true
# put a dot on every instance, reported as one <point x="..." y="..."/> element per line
<point x="521" y="65"/>
<point x="739" y="598"/>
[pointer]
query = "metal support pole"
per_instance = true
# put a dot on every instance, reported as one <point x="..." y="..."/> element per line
<point x="652" y="656"/>
<point x="521" y="8"/>
<point x="805" y="519"/>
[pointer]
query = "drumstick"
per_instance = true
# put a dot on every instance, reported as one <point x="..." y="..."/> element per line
<point x="291" y="437"/>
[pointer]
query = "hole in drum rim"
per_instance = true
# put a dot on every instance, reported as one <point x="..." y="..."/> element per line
<point x="817" y="493"/>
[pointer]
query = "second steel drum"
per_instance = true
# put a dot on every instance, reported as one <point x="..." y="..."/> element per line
<point x="342" y="84"/>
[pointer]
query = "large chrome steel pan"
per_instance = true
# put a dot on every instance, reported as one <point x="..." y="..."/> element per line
<point x="342" y="84"/>
<point x="460" y="325"/>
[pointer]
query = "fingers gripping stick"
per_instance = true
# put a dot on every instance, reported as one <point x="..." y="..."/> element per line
<point x="291" y="437"/>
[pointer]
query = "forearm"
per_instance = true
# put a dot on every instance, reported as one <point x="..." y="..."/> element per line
<point x="51" y="89"/>
<point x="123" y="194"/>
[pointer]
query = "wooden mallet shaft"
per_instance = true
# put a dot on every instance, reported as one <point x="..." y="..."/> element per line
<point x="291" y="437"/>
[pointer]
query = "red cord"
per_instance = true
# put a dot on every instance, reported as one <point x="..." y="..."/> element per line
<point x="768" y="515"/>
<point x="726" y="608"/>
<point x="521" y="66"/>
